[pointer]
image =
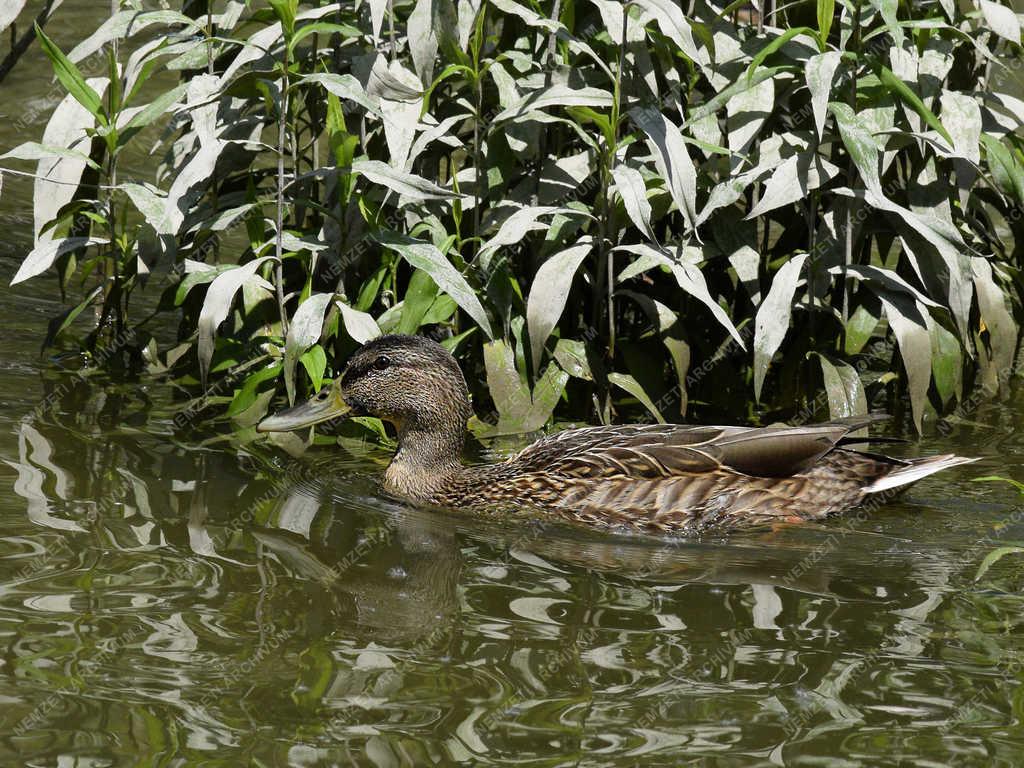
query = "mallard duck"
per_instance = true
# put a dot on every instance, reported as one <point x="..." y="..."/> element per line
<point x="652" y="477"/>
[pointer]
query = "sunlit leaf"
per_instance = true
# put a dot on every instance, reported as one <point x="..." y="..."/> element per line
<point x="772" y="320"/>
<point x="304" y="331"/>
<point x="216" y="306"/>
<point x="549" y="293"/>
<point x="427" y="257"/>
<point x="819" y="71"/>
<point x="46" y="252"/>
<point x="915" y="348"/>
<point x="844" y="389"/>
<point x="671" y="158"/>
<point x="632" y="386"/>
<point x="1001" y="20"/>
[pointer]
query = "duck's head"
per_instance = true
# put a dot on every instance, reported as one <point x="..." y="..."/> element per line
<point x="410" y="381"/>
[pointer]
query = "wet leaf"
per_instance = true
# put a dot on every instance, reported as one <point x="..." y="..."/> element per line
<point x="998" y="322"/>
<point x="673" y="24"/>
<point x="689" y="278"/>
<point x="555" y="96"/>
<point x="57" y="177"/>
<point x="9" y="10"/>
<point x="344" y="87"/>
<point x="32" y="150"/>
<point x="794" y="180"/>
<point x="860" y="144"/>
<point x="515" y="228"/>
<point x="125" y="24"/>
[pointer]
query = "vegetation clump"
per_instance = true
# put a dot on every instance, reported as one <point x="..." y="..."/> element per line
<point x="607" y="210"/>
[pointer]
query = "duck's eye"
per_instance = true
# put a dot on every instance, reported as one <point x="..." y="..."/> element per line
<point x="322" y="395"/>
<point x="381" y="363"/>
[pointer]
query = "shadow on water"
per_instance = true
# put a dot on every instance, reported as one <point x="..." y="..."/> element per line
<point x="221" y="601"/>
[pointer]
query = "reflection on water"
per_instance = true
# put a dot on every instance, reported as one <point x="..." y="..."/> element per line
<point x="159" y="601"/>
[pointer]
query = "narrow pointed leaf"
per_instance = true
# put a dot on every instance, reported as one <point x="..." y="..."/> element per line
<point x="772" y="320"/>
<point x="549" y="293"/>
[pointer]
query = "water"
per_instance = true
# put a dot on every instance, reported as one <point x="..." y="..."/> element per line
<point x="171" y="600"/>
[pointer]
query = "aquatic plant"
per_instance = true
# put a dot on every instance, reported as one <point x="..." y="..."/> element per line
<point x="615" y="210"/>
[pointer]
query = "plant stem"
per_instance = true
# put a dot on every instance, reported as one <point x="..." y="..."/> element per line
<point x="209" y="39"/>
<point x="851" y="170"/>
<point x="282" y="128"/>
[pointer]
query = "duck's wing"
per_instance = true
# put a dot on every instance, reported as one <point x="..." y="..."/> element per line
<point x="666" y="450"/>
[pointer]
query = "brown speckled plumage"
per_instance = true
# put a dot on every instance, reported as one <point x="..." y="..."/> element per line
<point x="657" y="478"/>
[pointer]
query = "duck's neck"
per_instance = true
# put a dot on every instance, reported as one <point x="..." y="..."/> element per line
<point x="427" y="460"/>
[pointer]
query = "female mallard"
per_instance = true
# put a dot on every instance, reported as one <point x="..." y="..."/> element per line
<point x="655" y="477"/>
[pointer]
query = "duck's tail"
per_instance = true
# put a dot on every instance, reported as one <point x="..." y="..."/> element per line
<point x="915" y="469"/>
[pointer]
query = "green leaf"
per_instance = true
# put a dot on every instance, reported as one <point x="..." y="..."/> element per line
<point x="246" y="396"/>
<point x="775" y="45"/>
<point x="901" y="89"/>
<point x="859" y="143"/>
<point x="860" y="327"/>
<point x="419" y="295"/>
<point x="151" y="112"/>
<point x="994" y="557"/>
<point x="549" y="293"/>
<point x="772" y="321"/>
<point x="632" y="386"/>
<point x="304" y="331"/>
<point x="826" y="12"/>
<point x="947" y="361"/>
<point x="844" y="389"/>
<point x="315" y="363"/>
<point x="323" y="28"/>
<point x="285" y="11"/>
<point x="71" y="78"/>
<point x="427" y="257"/>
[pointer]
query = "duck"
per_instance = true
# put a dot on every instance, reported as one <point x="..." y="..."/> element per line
<point x="653" y="478"/>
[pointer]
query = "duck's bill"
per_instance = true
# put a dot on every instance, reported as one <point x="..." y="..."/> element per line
<point x="326" y="406"/>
